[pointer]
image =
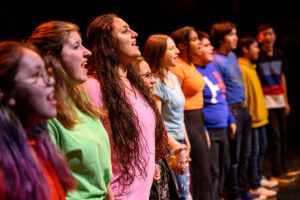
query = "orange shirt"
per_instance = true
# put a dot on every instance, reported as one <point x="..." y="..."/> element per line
<point x="192" y="84"/>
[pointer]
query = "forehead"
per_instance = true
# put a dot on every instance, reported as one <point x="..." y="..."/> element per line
<point x="73" y="37"/>
<point x="193" y="34"/>
<point x="233" y="31"/>
<point x="144" y="67"/>
<point x="253" y="44"/>
<point x="119" y="23"/>
<point x="31" y="59"/>
<point x="267" y="31"/>
<point x="170" y="41"/>
<point x="205" y="41"/>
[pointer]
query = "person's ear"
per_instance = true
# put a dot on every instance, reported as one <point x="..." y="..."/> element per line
<point x="181" y="47"/>
<point x="221" y="42"/>
<point x="11" y="101"/>
<point x="48" y="57"/>
<point x="258" y="38"/>
<point x="245" y="50"/>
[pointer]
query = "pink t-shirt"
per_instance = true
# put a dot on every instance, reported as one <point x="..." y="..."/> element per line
<point x="140" y="188"/>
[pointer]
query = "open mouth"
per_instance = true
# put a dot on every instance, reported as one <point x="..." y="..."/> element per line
<point x="84" y="64"/>
<point x="51" y="98"/>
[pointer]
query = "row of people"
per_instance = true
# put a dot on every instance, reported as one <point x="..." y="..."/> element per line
<point x="110" y="127"/>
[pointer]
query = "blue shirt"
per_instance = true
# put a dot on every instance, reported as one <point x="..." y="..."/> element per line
<point x="216" y="111"/>
<point x="228" y="68"/>
<point x="172" y="107"/>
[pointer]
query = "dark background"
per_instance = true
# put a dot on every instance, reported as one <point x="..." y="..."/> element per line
<point x="18" y="20"/>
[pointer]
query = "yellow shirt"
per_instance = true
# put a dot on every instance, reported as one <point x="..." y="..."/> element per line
<point x="254" y="95"/>
<point x="192" y="84"/>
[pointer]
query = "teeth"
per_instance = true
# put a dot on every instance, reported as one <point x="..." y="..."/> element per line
<point x="51" y="96"/>
<point x="84" y="64"/>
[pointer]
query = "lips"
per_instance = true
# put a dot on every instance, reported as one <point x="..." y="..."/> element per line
<point x="84" y="64"/>
<point x="51" y="98"/>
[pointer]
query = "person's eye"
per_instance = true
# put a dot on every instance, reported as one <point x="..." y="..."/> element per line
<point x="125" y="31"/>
<point x="36" y="75"/>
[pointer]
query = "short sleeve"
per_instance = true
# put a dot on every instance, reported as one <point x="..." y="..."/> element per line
<point x="284" y="63"/>
<point x="159" y="89"/>
<point x="92" y="88"/>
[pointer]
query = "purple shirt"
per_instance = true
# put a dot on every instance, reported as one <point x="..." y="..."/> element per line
<point x="140" y="188"/>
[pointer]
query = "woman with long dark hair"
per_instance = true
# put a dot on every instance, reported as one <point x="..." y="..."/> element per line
<point x="133" y="122"/>
<point x="30" y="166"/>
<point x="77" y="129"/>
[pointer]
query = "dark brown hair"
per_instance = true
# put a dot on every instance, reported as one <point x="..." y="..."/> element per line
<point x="218" y="32"/>
<point x="104" y="64"/>
<point x="182" y="36"/>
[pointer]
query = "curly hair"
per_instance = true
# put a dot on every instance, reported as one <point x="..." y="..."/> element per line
<point x="126" y="131"/>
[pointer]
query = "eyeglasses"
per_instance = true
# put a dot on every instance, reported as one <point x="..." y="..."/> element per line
<point x="44" y="75"/>
<point x="148" y="75"/>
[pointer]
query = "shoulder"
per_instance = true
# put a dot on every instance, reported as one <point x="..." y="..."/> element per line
<point x="91" y="83"/>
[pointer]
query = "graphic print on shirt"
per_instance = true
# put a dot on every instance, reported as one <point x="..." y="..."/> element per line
<point x="272" y="82"/>
<point x="214" y="88"/>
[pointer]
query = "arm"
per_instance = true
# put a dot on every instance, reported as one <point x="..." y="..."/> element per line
<point x="208" y="139"/>
<point x="284" y="87"/>
<point x="186" y="140"/>
<point x="231" y="129"/>
<point x="156" y="173"/>
<point x="110" y="195"/>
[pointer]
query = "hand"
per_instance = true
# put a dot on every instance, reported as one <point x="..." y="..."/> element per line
<point x="207" y="139"/>
<point x="231" y="130"/>
<point x="287" y="109"/>
<point x="180" y="162"/>
<point x="156" y="173"/>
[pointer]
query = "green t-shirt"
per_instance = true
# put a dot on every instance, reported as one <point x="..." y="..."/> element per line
<point x="87" y="149"/>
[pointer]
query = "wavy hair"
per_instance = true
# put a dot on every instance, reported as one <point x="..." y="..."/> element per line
<point x="22" y="176"/>
<point x="50" y="37"/>
<point x="104" y="64"/>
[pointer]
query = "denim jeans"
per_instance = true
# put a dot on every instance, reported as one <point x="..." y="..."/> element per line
<point x="183" y="182"/>
<point x="240" y="153"/>
<point x="258" y="150"/>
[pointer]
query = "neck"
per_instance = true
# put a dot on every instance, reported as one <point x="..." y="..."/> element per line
<point x="28" y="124"/>
<point x="184" y="57"/>
<point x="268" y="49"/>
<point x="199" y="62"/>
<point x="122" y="71"/>
<point x="224" y="51"/>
